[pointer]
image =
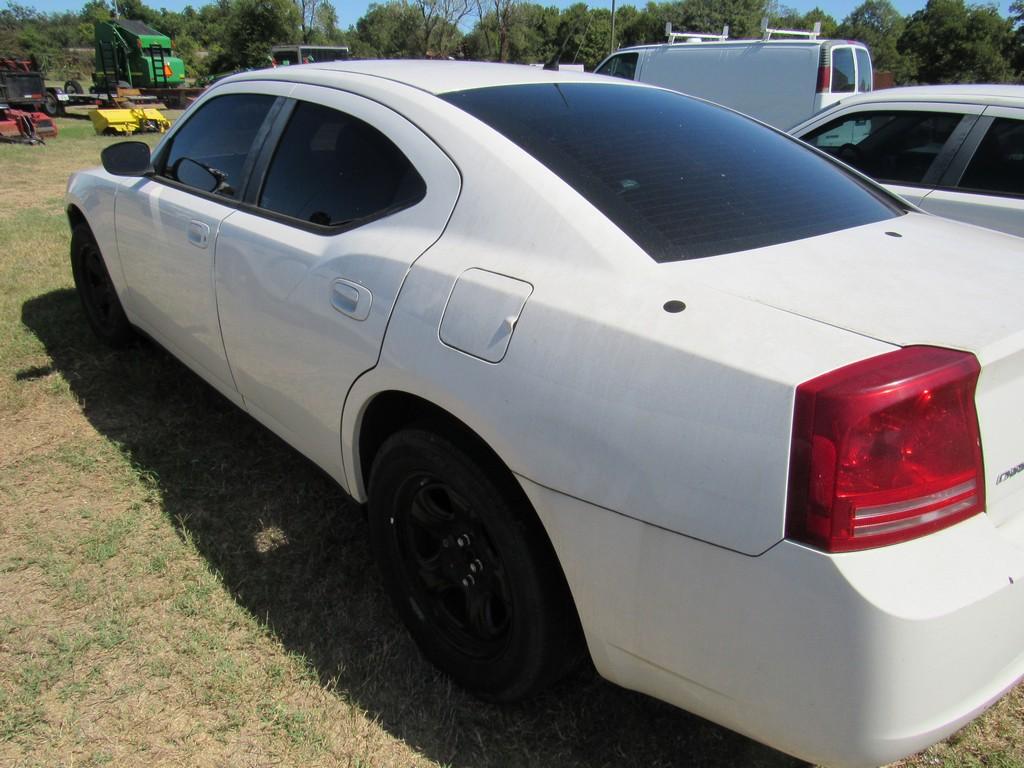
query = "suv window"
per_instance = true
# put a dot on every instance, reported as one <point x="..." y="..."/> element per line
<point x="844" y="77"/>
<point x="998" y="163"/>
<point x="683" y="178"/>
<point x="332" y="169"/>
<point x="623" y="65"/>
<point x="888" y="146"/>
<point x="864" y="77"/>
<point x="220" y="136"/>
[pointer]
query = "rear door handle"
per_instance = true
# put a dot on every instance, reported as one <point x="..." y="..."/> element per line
<point x="351" y="299"/>
<point x="199" y="234"/>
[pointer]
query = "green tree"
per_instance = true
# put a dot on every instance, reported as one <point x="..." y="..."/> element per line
<point x="389" y="30"/>
<point x="950" y="42"/>
<point x="879" y="25"/>
<point x="249" y="28"/>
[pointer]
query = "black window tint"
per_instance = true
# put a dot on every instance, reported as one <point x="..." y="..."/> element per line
<point x="998" y="163"/>
<point x="220" y="136"/>
<point x="623" y="65"/>
<point x="888" y="146"/>
<point x="864" y="76"/>
<point x="683" y="178"/>
<point x="844" y="80"/>
<point x="332" y="169"/>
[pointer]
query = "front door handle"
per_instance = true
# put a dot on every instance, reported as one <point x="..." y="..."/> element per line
<point x="199" y="234"/>
<point x="351" y="299"/>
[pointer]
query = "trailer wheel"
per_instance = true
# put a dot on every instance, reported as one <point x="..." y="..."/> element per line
<point x="73" y="86"/>
<point x="51" y="105"/>
<point x="99" y="298"/>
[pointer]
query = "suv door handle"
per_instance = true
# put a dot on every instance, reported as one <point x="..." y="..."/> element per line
<point x="351" y="299"/>
<point x="199" y="234"/>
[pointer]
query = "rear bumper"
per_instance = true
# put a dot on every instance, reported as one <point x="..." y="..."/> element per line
<point x="856" y="659"/>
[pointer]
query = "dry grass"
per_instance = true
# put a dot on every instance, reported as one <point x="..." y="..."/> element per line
<point x="178" y="587"/>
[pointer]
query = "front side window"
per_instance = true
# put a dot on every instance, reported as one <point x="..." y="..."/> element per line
<point x="683" y="178"/>
<point x="891" y="146"/>
<point x="623" y="65"/>
<point x="213" y="146"/>
<point x="844" y="76"/>
<point x="332" y="169"/>
<point x="864" y="76"/>
<point x="998" y="164"/>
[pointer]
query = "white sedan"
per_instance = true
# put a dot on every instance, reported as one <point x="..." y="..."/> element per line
<point x="953" y="150"/>
<point x="617" y="372"/>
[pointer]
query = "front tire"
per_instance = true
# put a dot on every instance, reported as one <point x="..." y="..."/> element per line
<point x="96" y="290"/>
<point x="469" y="568"/>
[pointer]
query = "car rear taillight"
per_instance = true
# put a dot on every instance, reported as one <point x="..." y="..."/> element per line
<point x="884" y="450"/>
<point x="824" y="79"/>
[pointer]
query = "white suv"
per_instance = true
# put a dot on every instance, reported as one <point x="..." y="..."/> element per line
<point x="954" y="150"/>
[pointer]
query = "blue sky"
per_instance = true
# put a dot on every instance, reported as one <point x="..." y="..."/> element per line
<point x="350" y="10"/>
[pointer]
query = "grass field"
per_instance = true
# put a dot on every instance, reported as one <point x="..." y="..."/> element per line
<point x="178" y="587"/>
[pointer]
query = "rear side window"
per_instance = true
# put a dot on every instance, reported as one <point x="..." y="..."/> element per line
<point x="864" y="76"/>
<point x="844" y="77"/>
<point x="623" y="65"/>
<point x="998" y="163"/>
<point x="683" y="178"/>
<point x="888" y="146"/>
<point x="219" y="136"/>
<point x="332" y="169"/>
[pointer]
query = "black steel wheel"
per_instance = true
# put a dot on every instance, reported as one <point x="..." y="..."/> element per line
<point x="96" y="290"/>
<point x="51" y="104"/>
<point x="469" y="568"/>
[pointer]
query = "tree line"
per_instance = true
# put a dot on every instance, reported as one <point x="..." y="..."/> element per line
<point x="947" y="41"/>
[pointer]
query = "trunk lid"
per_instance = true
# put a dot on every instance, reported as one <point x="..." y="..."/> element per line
<point x="912" y="280"/>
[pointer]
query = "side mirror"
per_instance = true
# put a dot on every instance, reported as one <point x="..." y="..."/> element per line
<point x="195" y="175"/>
<point x="127" y="158"/>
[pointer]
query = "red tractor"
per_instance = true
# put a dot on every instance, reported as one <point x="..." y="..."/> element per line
<point x="22" y="93"/>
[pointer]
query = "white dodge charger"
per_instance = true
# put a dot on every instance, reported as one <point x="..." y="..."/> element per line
<point x="616" y="371"/>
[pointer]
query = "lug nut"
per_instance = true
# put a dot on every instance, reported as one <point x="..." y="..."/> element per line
<point x="463" y="540"/>
<point x="468" y="580"/>
<point x="476" y="566"/>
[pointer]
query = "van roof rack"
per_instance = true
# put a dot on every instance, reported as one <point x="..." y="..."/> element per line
<point x="767" y="32"/>
<point x="694" y="37"/>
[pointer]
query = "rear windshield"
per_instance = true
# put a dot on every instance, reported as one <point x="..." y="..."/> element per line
<point x="684" y="179"/>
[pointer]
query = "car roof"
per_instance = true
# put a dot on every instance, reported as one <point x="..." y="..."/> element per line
<point x="435" y="77"/>
<point x="1007" y="95"/>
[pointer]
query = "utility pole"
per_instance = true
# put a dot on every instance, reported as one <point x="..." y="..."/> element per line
<point x="613" y="28"/>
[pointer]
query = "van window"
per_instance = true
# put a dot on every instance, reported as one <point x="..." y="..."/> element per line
<point x="865" y="80"/>
<point x="890" y="146"/>
<point x="683" y="178"/>
<point x="844" y="77"/>
<point x="623" y="65"/>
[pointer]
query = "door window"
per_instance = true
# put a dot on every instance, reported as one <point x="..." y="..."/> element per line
<point x="888" y="146"/>
<point x="998" y="164"/>
<point x="332" y="169"/>
<point x="623" y="65"/>
<point x="864" y="76"/>
<point x="218" y="138"/>
<point x="844" y="76"/>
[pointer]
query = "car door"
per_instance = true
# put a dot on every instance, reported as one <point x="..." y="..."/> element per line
<point x="985" y="184"/>
<point x="167" y="227"/>
<point x="348" y="195"/>
<point x="905" y="146"/>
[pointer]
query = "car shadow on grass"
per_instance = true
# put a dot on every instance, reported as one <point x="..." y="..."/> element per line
<point x="292" y="549"/>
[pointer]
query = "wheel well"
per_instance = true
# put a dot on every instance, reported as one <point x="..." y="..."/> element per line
<point x="392" y="411"/>
<point x="75" y="216"/>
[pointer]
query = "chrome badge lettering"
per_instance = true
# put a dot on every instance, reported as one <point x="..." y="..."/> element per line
<point x="1010" y="473"/>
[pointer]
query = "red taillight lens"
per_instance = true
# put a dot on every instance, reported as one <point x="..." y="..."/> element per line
<point x="885" y="450"/>
<point x="824" y="79"/>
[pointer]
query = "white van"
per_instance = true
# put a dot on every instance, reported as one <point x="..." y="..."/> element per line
<point x="779" y="81"/>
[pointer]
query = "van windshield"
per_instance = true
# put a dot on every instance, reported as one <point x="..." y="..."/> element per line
<point x="683" y="178"/>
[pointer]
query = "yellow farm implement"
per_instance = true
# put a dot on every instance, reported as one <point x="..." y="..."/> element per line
<point x="128" y="121"/>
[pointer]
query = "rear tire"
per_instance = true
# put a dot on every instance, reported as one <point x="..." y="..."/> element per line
<point x="469" y="568"/>
<point x="99" y="298"/>
<point x="73" y="86"/>
<point x="51" y="105"/>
